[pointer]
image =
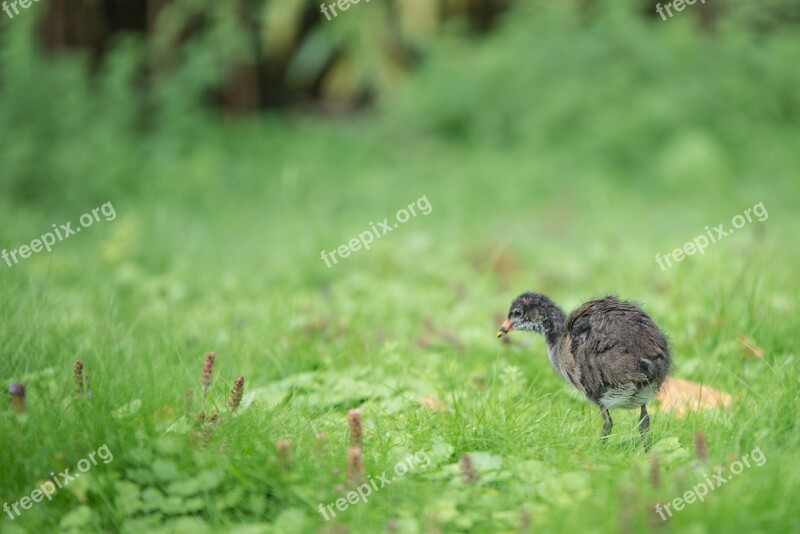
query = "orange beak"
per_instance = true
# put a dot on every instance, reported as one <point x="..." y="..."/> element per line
<point x="507" y="327"/>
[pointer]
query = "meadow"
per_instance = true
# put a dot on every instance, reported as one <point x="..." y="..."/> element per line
<point x="615" y="143"/>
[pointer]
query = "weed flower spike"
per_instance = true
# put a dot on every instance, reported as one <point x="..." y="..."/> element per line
<point x="355" y="464"/>
<point x="236" y="394"/>
<point x="700" y="446"/>
<point x="284" y="450"/>
<point x="78" y="373"/>
<point x="468" y="472"/>
<point x="208" y="371"/>
<point x="356" y="431"/>
<point x="17" y="392"/>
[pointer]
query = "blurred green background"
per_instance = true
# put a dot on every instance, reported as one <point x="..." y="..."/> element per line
<point x="562" y="145"/>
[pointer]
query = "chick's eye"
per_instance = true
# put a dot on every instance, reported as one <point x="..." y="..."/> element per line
<point x="516" y="313"/>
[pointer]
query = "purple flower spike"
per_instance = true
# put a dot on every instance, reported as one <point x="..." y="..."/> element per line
<point x="17" y="391"/>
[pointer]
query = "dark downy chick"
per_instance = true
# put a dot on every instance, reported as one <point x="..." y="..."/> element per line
<point x="608" y="348"/>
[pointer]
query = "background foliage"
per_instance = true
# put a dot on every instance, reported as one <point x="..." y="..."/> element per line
<point x="561" y="145"/>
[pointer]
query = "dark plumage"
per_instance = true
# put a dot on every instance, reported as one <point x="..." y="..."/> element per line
<point x="609" y="349"/>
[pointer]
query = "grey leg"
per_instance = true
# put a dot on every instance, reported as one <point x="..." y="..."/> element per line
<point x="644" y="427"/>
<point x="608" y="423"/>
<point x="644" y="420"/>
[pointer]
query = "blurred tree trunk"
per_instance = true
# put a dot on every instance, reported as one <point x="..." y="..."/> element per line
<point x="241" y="90"/>
<point x="71" y="24"/>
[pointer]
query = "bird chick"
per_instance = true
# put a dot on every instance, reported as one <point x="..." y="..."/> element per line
<point x="609" y="349"/>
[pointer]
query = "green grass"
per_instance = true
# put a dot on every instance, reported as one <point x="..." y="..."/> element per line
<point x="567" y="178"/>
<point x="140" y="299"/>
